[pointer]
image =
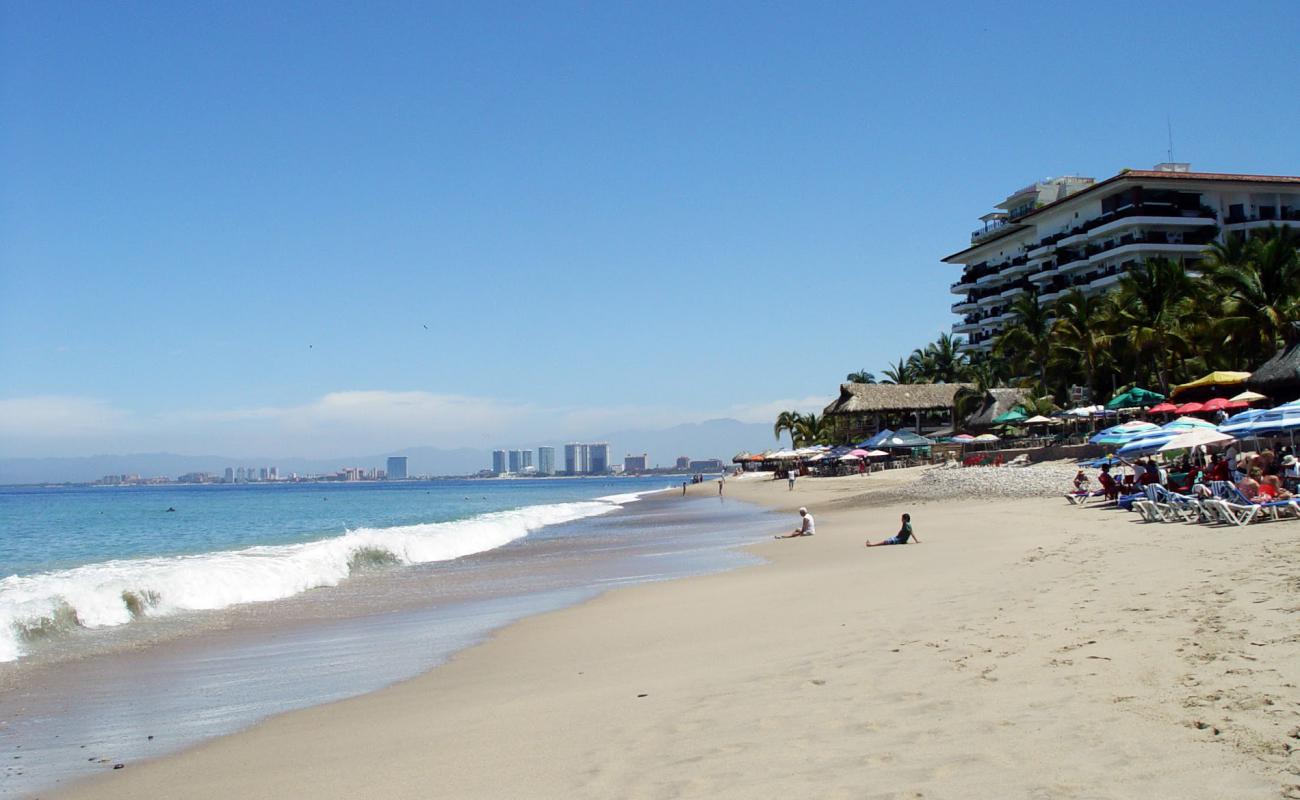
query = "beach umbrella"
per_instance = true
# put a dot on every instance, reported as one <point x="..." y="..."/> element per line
<point x="986" y="437"/>
<point x="875" y="440"/>
<point x="1277" y="419"/>
<point x="1122" y="433"/>
<point x="1215" y="404"/>
<point x="1216" y="384"/>
<point x="1195" y="438"/>
<point x="1039" y="419"/>
<point x="1183" y="423"/>
<point x="1248" y="397"/>
<point x="859" y="453"/>
<point x="877" y="454"/>
<point x="1145" y="445"/>
<point x="1134" y="398"/>
<point x="1240" y="423"/>
<point x="850" y="457"/>
<point x="904" y="440"/>
<point x="1163" y="408"/>
<point x="1014" y="415"/>
<point x="962" y="437"/>
<point x="1190" y="408"/>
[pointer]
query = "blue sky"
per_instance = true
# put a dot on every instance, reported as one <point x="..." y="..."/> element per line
<point x="266" y="227"/>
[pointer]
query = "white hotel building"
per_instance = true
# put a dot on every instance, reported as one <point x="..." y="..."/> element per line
<point x="1073" y="232"/>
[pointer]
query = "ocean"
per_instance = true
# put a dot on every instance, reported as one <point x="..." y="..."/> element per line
<point x="135" y="621"/>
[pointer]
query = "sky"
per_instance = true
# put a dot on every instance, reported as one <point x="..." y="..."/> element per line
<point x="311" y="228"/>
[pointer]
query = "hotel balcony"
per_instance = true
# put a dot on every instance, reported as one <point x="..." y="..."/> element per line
<point x="963" y="306"/>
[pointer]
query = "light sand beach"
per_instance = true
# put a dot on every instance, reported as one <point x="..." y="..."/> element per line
<point x="1026" y="649"/>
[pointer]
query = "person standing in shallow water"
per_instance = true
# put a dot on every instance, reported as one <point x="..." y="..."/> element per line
<point x="904" y="533"/>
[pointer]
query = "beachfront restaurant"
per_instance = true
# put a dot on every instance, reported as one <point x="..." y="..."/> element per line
<point x="927" y="409"/>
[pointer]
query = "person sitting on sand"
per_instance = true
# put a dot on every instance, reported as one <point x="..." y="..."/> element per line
<point x="806" y="528"/>
<point x="1081" y="481"/>
<point x="904" y="533"/>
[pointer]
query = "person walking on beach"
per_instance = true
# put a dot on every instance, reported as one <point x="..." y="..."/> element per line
<point x="806" y="528"/>
<point x="904" y="533"/>
<point x="721" y="480"/>
<point x="790" y="476"/>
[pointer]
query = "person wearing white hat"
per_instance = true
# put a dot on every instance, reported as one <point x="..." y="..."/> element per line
<point x="806" y="528"/>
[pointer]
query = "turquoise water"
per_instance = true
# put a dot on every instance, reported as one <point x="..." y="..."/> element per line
<point x="132" y="631"/>
<point x="95" y="558"/>
<point x="58" y="528"/>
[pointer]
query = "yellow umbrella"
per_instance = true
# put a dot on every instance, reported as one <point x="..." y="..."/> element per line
<point x="1213" y="379"/>
<point x="1247" y="397"/>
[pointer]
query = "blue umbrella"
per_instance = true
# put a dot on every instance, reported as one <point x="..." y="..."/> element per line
<point x="1240" y="423"/>
<point x="875" y="441"/>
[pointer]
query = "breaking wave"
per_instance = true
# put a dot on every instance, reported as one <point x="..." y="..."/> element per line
<point x="42" y="605"/>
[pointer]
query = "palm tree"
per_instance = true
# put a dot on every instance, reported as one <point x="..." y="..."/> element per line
<point x="785" y="421"/>
<point x="809" y="429"/>
<point x="1258" y="289"/>
<point x="1151" y="306"/>
<point x="899" y="373"/>
<point x="1034" y="406"/>
<point x="1078" y="339"/>
<point x="948" y="363"/>
<point x="1026" y="342"/>
<point x="861" y="376"/>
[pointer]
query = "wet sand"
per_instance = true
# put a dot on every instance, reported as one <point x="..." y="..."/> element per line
<point x="1026" y="648"/>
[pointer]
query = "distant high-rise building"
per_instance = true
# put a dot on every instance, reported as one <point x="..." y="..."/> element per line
<point x="683" y="462"/>
<point x="546" y="461"/>
<point x="575" y="458"/>
<point x="275" y="473"/>
<point x="239" y="474"/>
<point x="498" y="461"/>
<point x="230" y="474"/>
<point x="525" y="459"/>
<point x="516" y="461"/>
<point x="598" y="458"/>
<point x="706" y="465"/>
<point x="262" y="474"/>
<point x="633" y="464"/>
<point x="397" y="468"/>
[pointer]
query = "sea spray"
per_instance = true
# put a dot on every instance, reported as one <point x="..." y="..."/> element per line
<point x="114" y="593"/>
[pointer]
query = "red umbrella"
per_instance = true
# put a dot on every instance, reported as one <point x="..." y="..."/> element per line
<point x="1236" y="405"/>
<point x="1163" y="408"/>
<point x="1189" y="408"/>
<point x="1217" y="404"/>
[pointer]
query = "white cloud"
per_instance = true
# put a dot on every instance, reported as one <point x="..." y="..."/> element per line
<point x="336" y="424"/>
<point x="58" y="416"/>
<point x="767" y="412"/>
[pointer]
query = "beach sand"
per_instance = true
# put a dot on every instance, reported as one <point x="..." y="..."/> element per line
<point x="1027" y="649"/>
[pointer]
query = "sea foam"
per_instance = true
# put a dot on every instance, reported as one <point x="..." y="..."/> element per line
<point x="115" y="592"/>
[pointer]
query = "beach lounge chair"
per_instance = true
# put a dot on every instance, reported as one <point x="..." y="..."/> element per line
<point x="1175" y="507"/>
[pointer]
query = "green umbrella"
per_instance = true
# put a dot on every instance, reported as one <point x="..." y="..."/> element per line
<point x="1134" y="398"/>
<point x="1014" y="415"/>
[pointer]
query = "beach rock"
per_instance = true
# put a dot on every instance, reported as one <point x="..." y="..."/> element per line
<point x="118" y="766"/>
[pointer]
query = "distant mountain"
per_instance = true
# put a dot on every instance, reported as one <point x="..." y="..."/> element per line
<point x="716" y="438"/>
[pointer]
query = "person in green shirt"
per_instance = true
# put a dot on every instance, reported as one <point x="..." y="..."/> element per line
<point x="904" y="533"/>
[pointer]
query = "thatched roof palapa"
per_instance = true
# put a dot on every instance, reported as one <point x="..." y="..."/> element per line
<point x="1279" y="378"/>
<point x="871" y="398"/>
<point x="996" y="403"/>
